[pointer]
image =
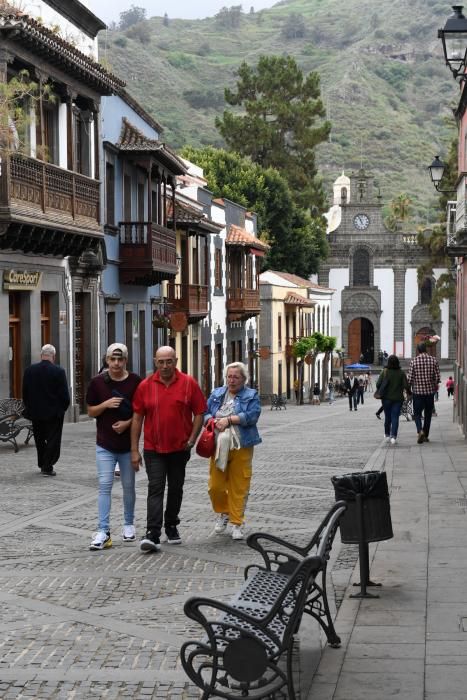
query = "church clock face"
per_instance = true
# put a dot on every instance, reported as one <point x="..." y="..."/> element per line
<point x="361" y="222"/>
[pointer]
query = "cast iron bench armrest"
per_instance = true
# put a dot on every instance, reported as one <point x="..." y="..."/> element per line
<point x="12" y="421"/>
<point x="280" y="560"/>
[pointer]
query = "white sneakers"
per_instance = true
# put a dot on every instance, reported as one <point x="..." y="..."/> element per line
<point x="221" y="523"/>
<point x="129" y="533"/>
<point x="393" y="441"/>
<point x="237" y="532"/>
<point x="101" y="540"/>
<point x="220" y="526"/>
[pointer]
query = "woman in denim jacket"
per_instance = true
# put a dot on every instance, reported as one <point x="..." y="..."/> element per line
<point x="236" y="409"/>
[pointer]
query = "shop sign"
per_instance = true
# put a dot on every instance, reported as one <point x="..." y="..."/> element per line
<point x="21" y="279"/>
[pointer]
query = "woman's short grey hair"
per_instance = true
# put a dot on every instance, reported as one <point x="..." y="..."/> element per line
<point x="48" y="351"/>
<point x="242" y="368"/>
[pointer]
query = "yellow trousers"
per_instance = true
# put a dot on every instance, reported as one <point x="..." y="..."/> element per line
<point x="229" y="490"/>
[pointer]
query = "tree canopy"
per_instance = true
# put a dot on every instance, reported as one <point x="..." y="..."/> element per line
<point x="132" y="16"/>
<point x="282" y="123"/>
<point x="434" y="240"/>
<point x="297" y="240"/>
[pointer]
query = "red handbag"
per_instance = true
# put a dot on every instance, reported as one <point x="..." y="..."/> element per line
<point x="206" y="445"/>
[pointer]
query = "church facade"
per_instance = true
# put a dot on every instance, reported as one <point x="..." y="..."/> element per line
<point x="378" y="304"/>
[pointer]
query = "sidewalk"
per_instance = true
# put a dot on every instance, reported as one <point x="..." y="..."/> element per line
<point x="411" y="643"/>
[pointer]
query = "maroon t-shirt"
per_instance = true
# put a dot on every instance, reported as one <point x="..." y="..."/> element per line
<point x="99" y="391"/>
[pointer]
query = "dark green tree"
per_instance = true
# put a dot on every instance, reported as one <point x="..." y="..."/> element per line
<point x="434" y="240"/>
<point x="132" y="16"/>
<point x="229" y="17"/>
<point x="294" y="27"/>
<point x="298" y="241"/>
<point x="282" y="123"/>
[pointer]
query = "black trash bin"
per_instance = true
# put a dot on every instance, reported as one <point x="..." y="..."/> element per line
<point x="373" y="487"/>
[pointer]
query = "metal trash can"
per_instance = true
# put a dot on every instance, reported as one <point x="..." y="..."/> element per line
<point x="373" y="486"/>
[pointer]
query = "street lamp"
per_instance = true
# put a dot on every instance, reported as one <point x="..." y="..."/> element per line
<point x="454" y="39"/>
<point x="437" y="169"/>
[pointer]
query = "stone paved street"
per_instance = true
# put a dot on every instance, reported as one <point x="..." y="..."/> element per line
<point x="81" y="624"/>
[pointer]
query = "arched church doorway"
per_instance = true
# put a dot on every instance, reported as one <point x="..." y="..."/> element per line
<point x="361" y="341"/>
<point x="420" y="336"/>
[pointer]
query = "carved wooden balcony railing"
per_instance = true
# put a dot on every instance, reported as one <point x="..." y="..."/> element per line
<point x="47" y="209"/>
<point x="242" y="303"/>
<point x="32" y="186"/>
<point x="190" y="298"/>
<point x="147" y="253"/>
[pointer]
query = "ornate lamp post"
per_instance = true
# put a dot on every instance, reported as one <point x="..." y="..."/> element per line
<point x="454" y="40"/>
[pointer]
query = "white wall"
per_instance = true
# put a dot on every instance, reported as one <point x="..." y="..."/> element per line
<point x="384" y="280"/>
<point x="411" y="299"/>
<point x="338" y="279"/>
<point x="68" y="31"/>
<point x="444" y="308"/>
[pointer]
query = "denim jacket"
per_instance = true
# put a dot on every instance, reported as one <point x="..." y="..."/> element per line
<point x="246" y="406"/>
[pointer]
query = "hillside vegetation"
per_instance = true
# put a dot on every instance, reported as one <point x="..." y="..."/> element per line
<point x="383" y="80"/>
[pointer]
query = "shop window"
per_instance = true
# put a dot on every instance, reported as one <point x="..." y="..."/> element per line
<point x="45" y="318"/>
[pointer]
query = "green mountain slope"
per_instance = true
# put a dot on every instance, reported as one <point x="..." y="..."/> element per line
<point x="386" y="89"/>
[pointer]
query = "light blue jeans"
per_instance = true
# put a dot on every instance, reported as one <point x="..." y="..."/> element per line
<point x="106" y="462"/>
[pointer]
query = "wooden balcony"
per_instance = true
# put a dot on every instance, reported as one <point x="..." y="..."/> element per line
<point x="47" y="210"/>
<point x="190" y="298"/>
<point x="147" y="253"/>
<point x="242" y="303"/>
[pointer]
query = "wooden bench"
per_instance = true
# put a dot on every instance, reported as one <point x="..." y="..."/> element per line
<point x="278" y="401"/>
<point x="12" y="422"/>
<point x="249" y="643"/>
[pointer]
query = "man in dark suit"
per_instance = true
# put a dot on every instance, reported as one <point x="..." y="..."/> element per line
<point x="46" y="398"/>
<point x="351" y="384"/>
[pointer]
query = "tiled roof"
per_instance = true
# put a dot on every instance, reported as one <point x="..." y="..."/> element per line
<point x="297" y="300"/>
<point x="49" y="46"/>
<point x="238" y="236"/>
<point x="187" y="214"/>
<point x="132" y="139"/>
<point x="299" y="281"/>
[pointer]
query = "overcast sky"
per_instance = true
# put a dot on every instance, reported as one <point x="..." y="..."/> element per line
<point x="109" y="10"/>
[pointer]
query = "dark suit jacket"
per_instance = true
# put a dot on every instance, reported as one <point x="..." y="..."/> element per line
<point x="45" y="391"/>
<point x="351" y="384"/>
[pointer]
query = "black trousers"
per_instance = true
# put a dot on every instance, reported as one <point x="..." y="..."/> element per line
<point x="352" y="400"/>
<point x="48" y="439"/>
<point x="162" y="468"/>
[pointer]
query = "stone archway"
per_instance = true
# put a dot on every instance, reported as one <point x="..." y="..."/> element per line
<point x="361" y="340"/>
<point x="364" y="307"/>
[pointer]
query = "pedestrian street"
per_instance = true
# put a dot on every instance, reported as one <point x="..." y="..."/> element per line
<point x="109" y="624"/>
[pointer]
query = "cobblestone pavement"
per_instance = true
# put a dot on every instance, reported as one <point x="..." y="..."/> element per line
<point x="81" y="624"/>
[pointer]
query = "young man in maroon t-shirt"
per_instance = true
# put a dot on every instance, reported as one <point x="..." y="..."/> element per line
<point x="109" y="398"/>
<point x="172" y="406"/>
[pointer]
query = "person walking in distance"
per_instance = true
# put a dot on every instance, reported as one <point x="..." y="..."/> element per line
<point x="351" y="385"/>
<point x="360" y="390"/>
<point x="393" y="396"/>
<point x="46" y="398"/>
<point x="171" y="405"/>
<point x="424" y="378"/>
<point x="236" y="409"/>
<point x="450" y="386"/>
<point x="108" y="398"/>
